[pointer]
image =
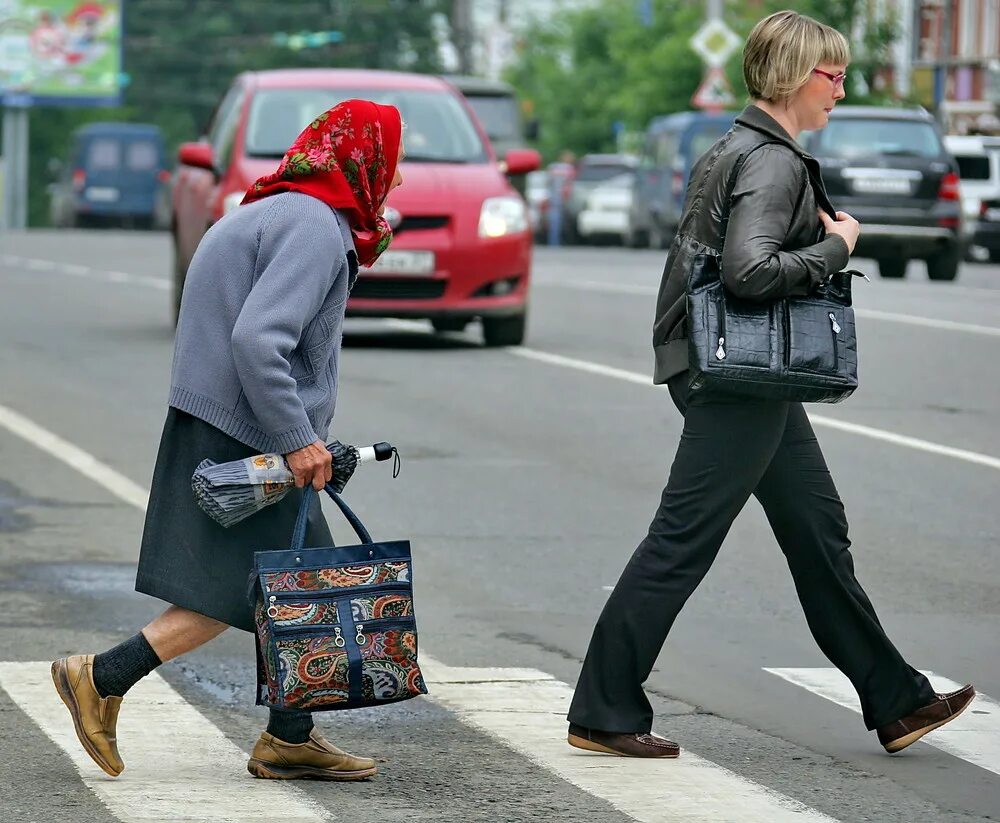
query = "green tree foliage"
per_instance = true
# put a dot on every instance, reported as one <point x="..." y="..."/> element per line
<point x="181" y="55"/>
<point x="584" y="70"/>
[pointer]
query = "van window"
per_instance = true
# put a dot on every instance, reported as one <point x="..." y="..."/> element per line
<point x="142" y="155"/>
<point x="499" y="115"/>
<point x="665" y="148"/>
<point x="973" y="167"/>
<point x="705" y="137"/>
<point x="104" y="154"/>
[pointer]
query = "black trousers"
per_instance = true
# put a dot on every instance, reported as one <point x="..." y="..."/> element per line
<point x="731" y="448"/>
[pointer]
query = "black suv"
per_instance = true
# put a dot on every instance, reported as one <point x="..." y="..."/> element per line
<point x="889" y="169"/>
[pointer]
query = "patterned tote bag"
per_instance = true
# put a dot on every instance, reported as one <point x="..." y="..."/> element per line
<point x="335" y="625"/>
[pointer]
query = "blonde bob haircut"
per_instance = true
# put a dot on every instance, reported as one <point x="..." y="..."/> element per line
<point x="782" y="51"/>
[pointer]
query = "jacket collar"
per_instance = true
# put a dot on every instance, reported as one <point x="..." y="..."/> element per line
<point x="760" y="121"/>
<point x="757" y="119"/>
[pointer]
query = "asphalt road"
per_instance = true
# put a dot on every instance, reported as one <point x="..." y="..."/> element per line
<point x="529" y="475"/>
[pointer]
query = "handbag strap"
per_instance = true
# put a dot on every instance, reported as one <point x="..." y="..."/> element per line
<point x="299" y="534"/>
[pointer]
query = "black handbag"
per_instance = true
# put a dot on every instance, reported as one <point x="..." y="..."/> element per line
<point x="795" y="348"/>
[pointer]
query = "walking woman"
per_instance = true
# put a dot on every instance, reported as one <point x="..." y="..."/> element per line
<point x="732" y="447"/>
<point x="255" y="370"/>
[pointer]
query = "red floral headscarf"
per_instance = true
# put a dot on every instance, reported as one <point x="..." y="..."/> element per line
<point x="347" y="158"/>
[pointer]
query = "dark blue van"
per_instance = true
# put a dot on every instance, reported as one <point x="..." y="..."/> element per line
<point x="116" y="175"/>
<point x="672" y="145"/>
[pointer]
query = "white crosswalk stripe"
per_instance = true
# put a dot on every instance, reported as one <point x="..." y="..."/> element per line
<point x="209" y="780"/>
<point x="974" y="736"/>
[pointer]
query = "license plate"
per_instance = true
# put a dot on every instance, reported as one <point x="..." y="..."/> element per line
<point x="404" y="262"/>
<point x="993" y="215"/>
<point x="881" y="185"/>
<point x="102" y="194"/>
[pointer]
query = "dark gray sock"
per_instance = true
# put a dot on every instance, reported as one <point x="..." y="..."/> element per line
<point x="292" y="726"/>
<point x="117" y="670"/>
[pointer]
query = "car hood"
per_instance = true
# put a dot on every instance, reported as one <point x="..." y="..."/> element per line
<point x="428" y="188"/>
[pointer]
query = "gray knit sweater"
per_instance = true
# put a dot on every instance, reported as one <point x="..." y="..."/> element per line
<point x="261" y="322"/>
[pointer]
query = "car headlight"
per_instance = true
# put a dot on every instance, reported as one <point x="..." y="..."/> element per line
<point x="231" y="201"/>
<point x="502" y="215"/>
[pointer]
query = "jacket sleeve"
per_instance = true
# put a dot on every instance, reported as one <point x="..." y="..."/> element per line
<point x="754" y="264"/>
<point x="298" y="261"/>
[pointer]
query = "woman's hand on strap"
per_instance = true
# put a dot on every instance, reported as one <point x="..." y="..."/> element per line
<point x="311" y="464"/>
<point x="844" y="226"/>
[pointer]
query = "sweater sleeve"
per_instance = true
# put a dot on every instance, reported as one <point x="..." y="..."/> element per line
<point x="764" y="200"/>
<point x="298" y="260"/>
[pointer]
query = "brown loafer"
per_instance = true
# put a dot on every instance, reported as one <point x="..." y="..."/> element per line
<point x="897" y="736"/>
<point x="94" y="717"/>
<point x="623" y="745"/>
<point x="316" y="759"/>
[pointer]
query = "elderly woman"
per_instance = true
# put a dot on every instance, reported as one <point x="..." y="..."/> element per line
<point x="781" y="241"/>
<point x="255" y="370"/>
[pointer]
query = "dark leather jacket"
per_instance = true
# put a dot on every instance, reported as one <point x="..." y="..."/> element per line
<point x="774" y="245"/>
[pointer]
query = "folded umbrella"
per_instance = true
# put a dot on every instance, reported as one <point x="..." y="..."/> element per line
<point x="231" y="492"/>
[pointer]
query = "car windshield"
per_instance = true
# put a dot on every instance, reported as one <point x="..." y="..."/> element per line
<point x="438" y="129"/>
<point x="857" y="137"/>
<point x="499" y="116"/>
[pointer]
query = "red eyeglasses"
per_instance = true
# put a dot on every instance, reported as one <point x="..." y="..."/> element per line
<point x="836" y="79"/>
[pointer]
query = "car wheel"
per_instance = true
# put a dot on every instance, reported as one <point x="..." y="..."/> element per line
<point x="893" y="269"/>
<point x="944" y="266"/>
<point x="505" y="331"/>
<point x="442" y="324"/>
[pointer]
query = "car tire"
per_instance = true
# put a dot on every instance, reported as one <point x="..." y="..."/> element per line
<point x="445" y="324"/>
<point x="505" y="331"/>
<point x="892" y="268"/>
<point x="944" y="266"/>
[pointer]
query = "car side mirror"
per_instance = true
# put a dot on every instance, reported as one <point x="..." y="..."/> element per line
<point x="522" y="161"/>
<point x="199" y="155"/>
<point x="532" y="129"/>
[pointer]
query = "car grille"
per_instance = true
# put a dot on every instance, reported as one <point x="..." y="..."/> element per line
<point x="397" y="288"/>
<point x="414" y="223"/>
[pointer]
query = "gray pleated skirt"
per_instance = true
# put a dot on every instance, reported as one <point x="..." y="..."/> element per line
<point x="186" y="557"/>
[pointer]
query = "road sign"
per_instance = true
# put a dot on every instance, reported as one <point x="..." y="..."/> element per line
<point x="714" y="91"/>
<point x="714" y="42"/>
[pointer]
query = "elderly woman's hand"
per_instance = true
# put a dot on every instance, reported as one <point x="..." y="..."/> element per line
<point x="311" y="464"/>
<point x="844" y="226"/>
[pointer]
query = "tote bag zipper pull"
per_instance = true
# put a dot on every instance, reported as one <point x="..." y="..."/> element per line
<point x="720" y="353"/>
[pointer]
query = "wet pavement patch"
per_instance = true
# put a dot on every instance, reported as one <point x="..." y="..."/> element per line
<point x="11" y="501"/>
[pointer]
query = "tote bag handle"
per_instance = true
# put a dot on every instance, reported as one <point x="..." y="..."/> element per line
<point x="299" y="535"/>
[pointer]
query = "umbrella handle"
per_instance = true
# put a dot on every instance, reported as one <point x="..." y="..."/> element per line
<point x="299" y="534"/>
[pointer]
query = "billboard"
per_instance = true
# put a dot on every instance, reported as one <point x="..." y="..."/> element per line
<point x="61" y="52"/>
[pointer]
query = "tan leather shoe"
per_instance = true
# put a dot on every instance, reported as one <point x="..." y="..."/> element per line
<point x="94" y="717"/>
<point x="316" y="759"/>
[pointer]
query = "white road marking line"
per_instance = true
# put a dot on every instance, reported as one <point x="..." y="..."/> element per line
<point x="874" y="314"/>
<point x="160" y="283"/>
<point x="72" y="455"/>
<point x="40" y="265"/>
<point x="177" y="763"/>
<point x="974" y="736"/>
<point x="498" y="701"/>
<point x="526" y="710"/>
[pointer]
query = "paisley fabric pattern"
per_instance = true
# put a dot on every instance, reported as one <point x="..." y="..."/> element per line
<point x="378" y="606"/>
<point x="313" y="671"/>
<point x="389" y="666"/>
<point x="337" y="577"/>
<point x="288" y="614"/>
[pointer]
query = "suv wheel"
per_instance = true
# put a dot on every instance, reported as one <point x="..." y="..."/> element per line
<point x="504" y="331"/>
<point x="894" y="268"/>
<point x="944" y="266"/>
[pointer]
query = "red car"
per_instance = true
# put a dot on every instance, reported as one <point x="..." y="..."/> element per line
<point x="462" y="245"/>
